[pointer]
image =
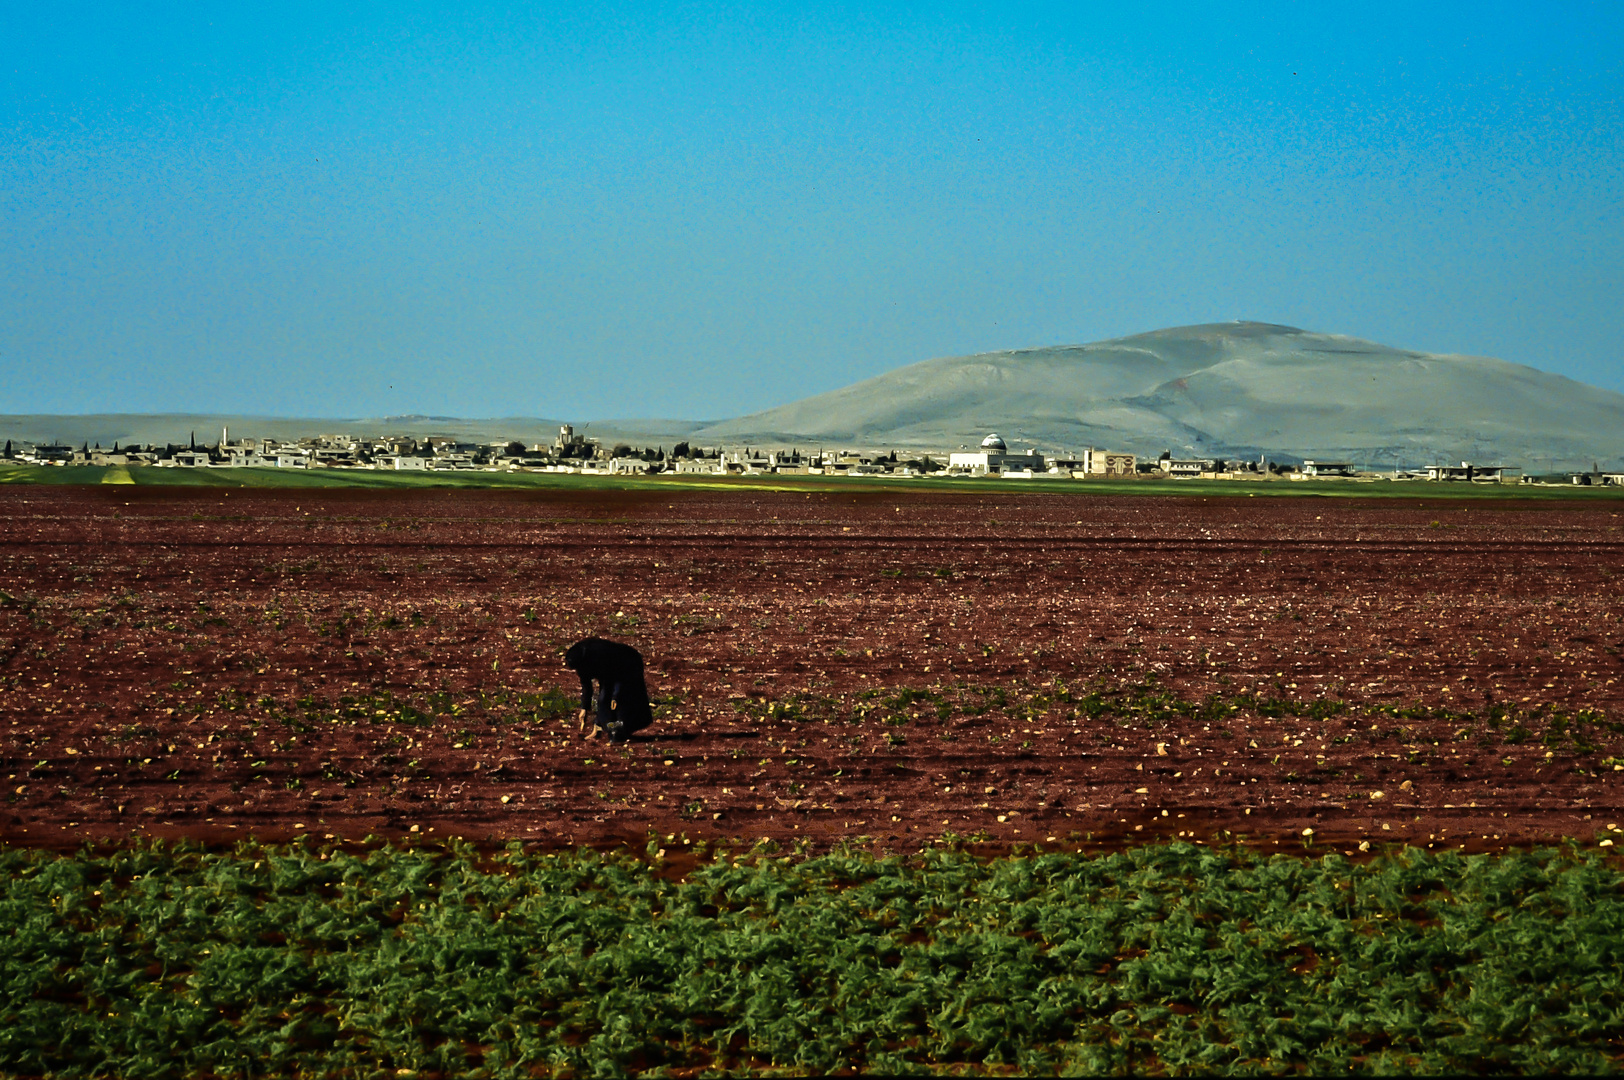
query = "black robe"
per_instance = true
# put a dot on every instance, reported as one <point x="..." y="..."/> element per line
<point x="623" y="705"/>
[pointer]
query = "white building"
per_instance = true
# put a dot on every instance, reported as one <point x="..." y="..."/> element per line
<point x="1092" y="462"/>
<point x="770" y="461"/>
<point x="1329" y="468"/>
<point x="1468" y="471"/>
<point x="993" y="458"/>
<point x="1187" y="467"/>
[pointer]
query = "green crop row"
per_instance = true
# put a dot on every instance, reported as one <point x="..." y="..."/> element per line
<point x="308" y="961"/>
<point x="1152" y="707"/>
<point x="500" y="705"/>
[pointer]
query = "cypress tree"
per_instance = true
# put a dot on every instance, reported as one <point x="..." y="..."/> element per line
<point x="8" y="448"/>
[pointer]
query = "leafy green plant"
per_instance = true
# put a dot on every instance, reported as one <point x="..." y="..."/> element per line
<point x="307" y="960"/>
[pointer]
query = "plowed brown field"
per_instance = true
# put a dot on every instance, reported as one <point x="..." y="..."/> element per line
<point x="828" y="665"/>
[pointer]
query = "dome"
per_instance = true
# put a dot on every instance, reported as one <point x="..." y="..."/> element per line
<point x="993" y="442"/>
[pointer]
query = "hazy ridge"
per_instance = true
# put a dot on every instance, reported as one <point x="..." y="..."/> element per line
<point x="1224" y="389"/>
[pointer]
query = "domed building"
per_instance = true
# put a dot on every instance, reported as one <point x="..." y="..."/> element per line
<point x="995" y="459"/>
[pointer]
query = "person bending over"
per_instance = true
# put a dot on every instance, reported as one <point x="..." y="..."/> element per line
<point x="623" y="705"/>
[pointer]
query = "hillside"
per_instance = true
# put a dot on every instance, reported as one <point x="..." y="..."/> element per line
<point x="1226" y="389"/>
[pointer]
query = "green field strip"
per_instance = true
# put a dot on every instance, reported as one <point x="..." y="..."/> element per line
<point x="341" y="960"/>
<point x="11" y="473"/>
<point x="272" y="478"/>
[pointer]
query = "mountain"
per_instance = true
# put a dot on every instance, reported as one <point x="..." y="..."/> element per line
<point x="1224" y="389"/>
<point x="1228" y="390"/>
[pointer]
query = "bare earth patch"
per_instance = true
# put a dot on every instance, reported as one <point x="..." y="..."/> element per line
<point x="827" y="666"/>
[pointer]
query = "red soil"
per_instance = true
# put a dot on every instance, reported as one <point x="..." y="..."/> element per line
<point x="149" y="638"/>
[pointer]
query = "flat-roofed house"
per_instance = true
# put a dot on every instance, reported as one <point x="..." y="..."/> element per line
<point x="1094" y="462"/>
<point x="1466" y="470"/>
<point x="47" y="452"/>
<point x="1187" y="468"/>
<point x="788" y="461"/>
<point x="1329" y="468"/>
<point x="1109" y="463"/>
<point x="333" y="457"/>
<point x="753" y="461"/>
<point x="1077" y="466"/>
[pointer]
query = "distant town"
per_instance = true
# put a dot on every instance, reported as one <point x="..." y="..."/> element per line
<point x="574" y="453"/>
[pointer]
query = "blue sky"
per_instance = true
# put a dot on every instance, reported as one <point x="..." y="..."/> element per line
<point x="699" y="210"/>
